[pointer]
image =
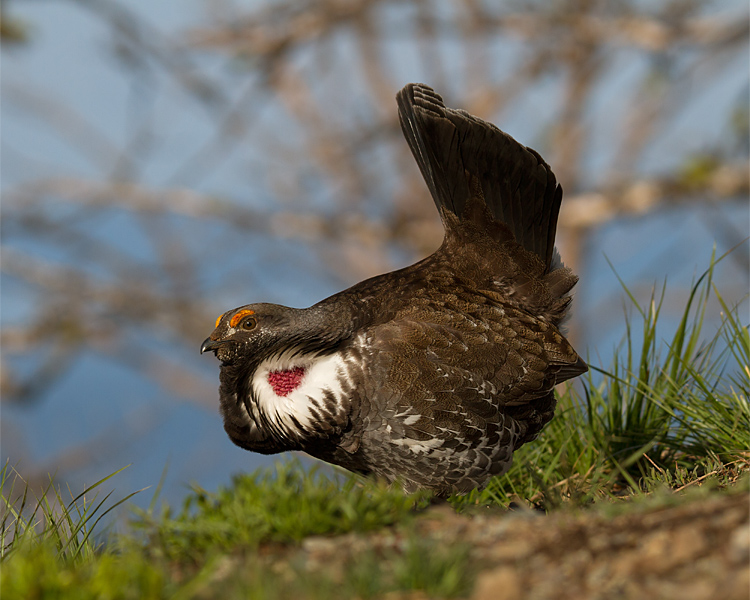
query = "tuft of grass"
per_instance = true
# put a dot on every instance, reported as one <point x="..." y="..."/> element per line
<point x="48" y="519"/>
<point x="282" y="505"/>
<point x="48" y="548"/>
<point x="682" y="398"/>
<point x="38" y="571"/>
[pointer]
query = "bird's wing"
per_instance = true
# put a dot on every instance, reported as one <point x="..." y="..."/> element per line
<point x="465" y="391"/>
<point x="452" y="375"/>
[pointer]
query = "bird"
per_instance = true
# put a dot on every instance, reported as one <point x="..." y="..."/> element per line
<point x="431" y="376"/>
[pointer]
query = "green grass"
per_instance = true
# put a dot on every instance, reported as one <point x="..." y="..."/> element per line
<point x="281" y="506"/>
<point x="48" y="519"/>
<point x="51" y="553"/>
<point x="668" y="415"/>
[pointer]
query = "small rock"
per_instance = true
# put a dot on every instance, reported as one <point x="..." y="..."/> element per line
<point x="319" y="546"/>
<point x="739" y="544"/>
<point x="500" y="584"/>
<point x="509" y="551"/>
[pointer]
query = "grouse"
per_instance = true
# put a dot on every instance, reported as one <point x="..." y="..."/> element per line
<point x="432" y="375"/>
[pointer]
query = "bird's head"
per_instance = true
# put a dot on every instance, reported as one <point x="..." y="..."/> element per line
<point x="250" y="332"/>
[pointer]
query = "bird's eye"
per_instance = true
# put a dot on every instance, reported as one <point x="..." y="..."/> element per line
<point x="248" y="323"/>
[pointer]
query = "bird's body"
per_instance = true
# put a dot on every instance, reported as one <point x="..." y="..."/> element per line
<point x="432" y="375"/>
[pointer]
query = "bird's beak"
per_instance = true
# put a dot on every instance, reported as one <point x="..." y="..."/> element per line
<point x="209" y="344"/>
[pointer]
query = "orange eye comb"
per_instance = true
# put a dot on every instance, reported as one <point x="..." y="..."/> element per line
<point x="239" y="316"/>
<point x="218" y="320"/>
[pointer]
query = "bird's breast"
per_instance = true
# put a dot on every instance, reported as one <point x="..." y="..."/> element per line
<point x="298" y="395"/>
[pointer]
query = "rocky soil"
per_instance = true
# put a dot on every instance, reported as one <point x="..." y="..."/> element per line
<point x="697" y="549"/>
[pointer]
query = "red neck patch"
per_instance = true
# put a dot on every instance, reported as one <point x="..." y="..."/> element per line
<point x="285" y="382"/>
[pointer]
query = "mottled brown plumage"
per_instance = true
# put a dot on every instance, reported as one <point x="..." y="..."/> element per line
<point x="434" y="374"/>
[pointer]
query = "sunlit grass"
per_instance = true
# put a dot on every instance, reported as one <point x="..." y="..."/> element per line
<point x="48" y="519"/>
<point x="283" y="505"/>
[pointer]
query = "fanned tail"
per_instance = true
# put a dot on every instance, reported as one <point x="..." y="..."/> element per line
<point x="462" y="157"/>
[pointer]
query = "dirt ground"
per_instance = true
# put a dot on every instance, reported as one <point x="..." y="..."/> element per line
<point x="693" y="550"/>
<point x="696" y="551"/>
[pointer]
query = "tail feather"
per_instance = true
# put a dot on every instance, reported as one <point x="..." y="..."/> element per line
<point x="456" y="151"/>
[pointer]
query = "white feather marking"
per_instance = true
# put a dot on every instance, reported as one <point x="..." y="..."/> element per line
<point x="419" y="446"/>
<point x="322" y="374"/>
<point x="411" y="419"/>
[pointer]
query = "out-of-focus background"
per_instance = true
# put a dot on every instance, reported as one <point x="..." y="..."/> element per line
<point x="163" y="162"/>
